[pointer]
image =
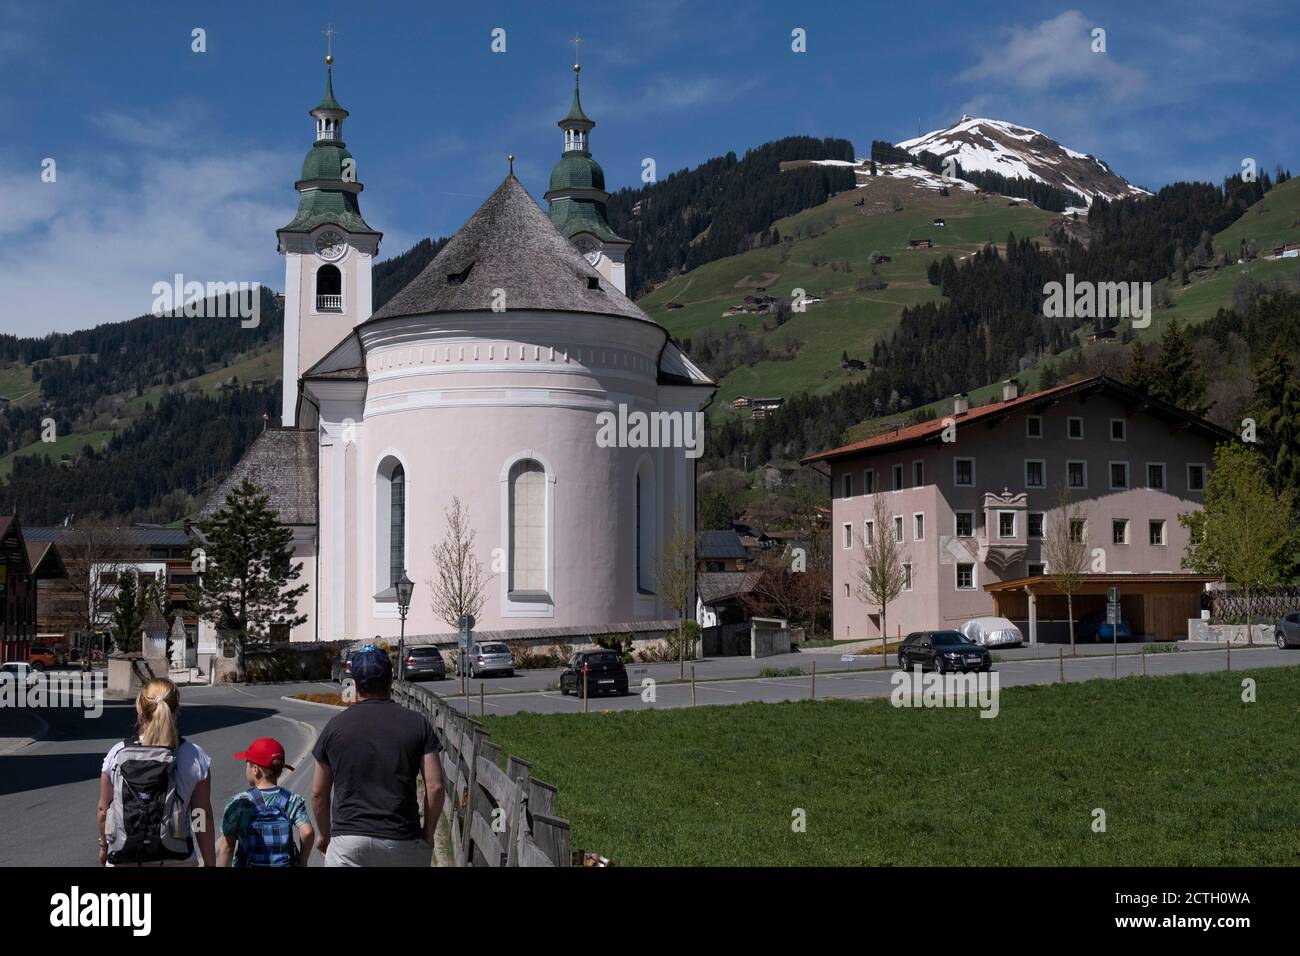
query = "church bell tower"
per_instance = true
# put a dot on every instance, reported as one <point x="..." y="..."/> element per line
<point x="577" y="196"/>
<point x="328" y="250"/>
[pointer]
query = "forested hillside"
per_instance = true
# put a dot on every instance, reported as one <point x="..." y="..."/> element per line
<point x="722" y="207"/>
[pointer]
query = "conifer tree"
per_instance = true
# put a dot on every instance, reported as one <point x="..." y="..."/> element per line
<point x="1178" y="378"/>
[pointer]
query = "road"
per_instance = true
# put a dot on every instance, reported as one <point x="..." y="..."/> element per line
<point x="49" y="789"/>
<point x="734" y="680"/>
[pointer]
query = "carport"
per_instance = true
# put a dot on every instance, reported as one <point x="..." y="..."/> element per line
<point x="1157" y="606"/>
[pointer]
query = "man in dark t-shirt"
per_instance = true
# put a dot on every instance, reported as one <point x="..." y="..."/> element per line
<point x="367" y="759"/>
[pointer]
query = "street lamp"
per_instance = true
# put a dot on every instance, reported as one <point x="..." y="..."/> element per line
<point x="404" y="586"/>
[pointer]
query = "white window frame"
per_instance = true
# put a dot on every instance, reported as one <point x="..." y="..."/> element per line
<point x="918" y="525"/>
<point x="847" y="539"/>
<point x="513" y="607"/>
<point x="1205" y="475"/>
<point x="1034" y="418"/>
<point x="897" y="473"/>
<point x="900" y="529"/>
<point x="1164" y="476"/>
<point x="974" y="576"/>
<point x="1110" y="476"/>
<point x="1164" y="532"/>
<point x="918" y="463"/>
<point x="1123" y="423"/>
<point x="380" y="491"/>
<point x="868" y="481"/>
<point x="1083" y="533"/>
<point x="1030" y="565"/>
<point x="959" y="484"/>
<point x="1029" y="525"/>
<point x="846" y="485"/>
<point x="1074" y="418"/>
<point x="1127" y="536"/>
<point x="956" y="528"/>
<point x="1042" y="462"/>
<point x="868" y="533"/>
<point x="1077" y="461"/>
<point x="1012" y="535"/>
<point x="907" y="575"/>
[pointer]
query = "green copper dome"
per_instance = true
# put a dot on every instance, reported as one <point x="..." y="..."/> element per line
<point x="328" y="102"/>
<point x="577" y="171"/>
<point x="325" y="161"/>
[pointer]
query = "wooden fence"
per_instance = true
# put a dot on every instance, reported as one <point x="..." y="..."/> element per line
<point x="496" y="817"/>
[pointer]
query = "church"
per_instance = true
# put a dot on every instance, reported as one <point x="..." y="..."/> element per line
<point x="484" y="379"/>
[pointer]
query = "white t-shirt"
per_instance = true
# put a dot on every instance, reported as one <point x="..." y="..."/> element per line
<point x="192" y="766"/>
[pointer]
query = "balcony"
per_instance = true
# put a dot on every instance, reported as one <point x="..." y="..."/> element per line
<point x="329" y="303"/>
<point x="1003" y="538"/>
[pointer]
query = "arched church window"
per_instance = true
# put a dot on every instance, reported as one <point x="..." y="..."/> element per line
<point x="329" y="289"/>
<point x="527" y="527"/>
<point x="390" y="523"/>
<point x="645" y="528"/>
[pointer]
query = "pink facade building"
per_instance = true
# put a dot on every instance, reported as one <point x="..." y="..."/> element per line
<point x="970" y="494"/>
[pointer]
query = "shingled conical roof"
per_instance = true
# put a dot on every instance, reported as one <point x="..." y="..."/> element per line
<point x="512" y="245"/>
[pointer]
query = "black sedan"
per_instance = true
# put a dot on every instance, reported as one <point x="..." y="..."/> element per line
<point x="604" y="669"/>
<point x="942" y="651"/>
<point x="1287" y="631"/>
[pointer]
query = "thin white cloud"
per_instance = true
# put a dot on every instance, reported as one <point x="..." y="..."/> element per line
<point x="1053" y="53"/>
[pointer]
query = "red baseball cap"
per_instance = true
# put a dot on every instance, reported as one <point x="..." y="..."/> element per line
<point x="265" y="752"/>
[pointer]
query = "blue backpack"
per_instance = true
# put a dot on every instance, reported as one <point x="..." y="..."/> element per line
<point x="267" y="839"/>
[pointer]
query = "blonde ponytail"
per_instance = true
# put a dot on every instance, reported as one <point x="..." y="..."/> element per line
<point x="156" y="706"/>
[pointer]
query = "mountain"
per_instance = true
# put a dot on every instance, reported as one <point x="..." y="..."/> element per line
<point x="995" y="146"/>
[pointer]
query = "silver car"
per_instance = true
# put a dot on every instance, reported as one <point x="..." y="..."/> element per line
<point x="492" y="657"/>
<point x="992" y="632"/>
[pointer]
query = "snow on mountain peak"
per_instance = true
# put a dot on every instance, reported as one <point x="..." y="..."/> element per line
<point x="990" y="145"/>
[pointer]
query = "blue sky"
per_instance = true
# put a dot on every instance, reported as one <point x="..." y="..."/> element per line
<point x="173" y="161"/>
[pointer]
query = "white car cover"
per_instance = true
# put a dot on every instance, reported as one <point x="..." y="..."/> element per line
<point x="992" y="632"/>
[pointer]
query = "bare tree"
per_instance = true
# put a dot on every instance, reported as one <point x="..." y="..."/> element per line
<point x="675" y="576"/>
<point x="95" y="554"/>
<point x="881" y="578"/>
<point x="1065" y="550"/>
<point x="458" y="586"/>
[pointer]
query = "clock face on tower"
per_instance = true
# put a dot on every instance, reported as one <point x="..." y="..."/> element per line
<point x="330" y="245"/>
<point x="589" y="249"/>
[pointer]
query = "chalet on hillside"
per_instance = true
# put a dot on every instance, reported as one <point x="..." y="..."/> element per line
<point x="921" y="243"/>
<point x="937" y="222"/>
<point x="762" y="407"/>
<point x="1102" y="335"/>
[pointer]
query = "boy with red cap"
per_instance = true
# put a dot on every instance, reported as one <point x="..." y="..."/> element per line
<point x="257" y="826"/>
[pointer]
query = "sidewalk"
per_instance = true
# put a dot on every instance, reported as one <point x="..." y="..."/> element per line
<point x="19" y="727"/>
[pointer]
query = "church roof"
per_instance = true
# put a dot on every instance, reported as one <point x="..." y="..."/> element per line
<point x="510" y="244"/>
<point x="575" y="115"/>
<point x="328" y="102"/>
<point x="282" y="462"/>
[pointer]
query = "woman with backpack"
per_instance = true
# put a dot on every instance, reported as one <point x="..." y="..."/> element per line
<point x="150" y="786"/>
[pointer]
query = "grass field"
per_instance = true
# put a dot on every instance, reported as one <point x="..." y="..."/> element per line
<point x="1186" y="773"/>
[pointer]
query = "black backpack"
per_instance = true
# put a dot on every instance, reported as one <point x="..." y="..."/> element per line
<point x="147" y="821"/>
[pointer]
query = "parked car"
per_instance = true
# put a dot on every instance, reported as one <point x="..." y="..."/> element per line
<point x="492" y="657"/>
<point x="424" y="662"/>
<point x="41" y="656"/>
<point x="942" y="651"/>
<point x="20" y="671"/>
<point x="1287" y="631"/>
<point x="992" y="632"/>
<point x="605" y="673"/>
<point x="341" y="668"/>
<point x="1094" y="626"/>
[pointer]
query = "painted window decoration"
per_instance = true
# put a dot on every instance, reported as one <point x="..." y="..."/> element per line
<point x="397" y="524"/>
<point x="527" y="527"/>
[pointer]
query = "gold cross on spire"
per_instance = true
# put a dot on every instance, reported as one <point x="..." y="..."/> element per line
<point x="329" y="33"/>
<point x="577" y="42"/>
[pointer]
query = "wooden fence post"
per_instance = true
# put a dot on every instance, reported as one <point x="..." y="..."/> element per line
<point x="551" y="835"/>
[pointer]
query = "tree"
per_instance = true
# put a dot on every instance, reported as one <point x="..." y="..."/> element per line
<point x="881" y="578"/>
<point x="1065" y="551"/>
<point x="1178" y="377"/>
<point x="715" y="511"/>
<point x="128" y="616"/>
<point x="95" y="555"/>
<point x="675" y="575"/>
<point x="1246" y="531"/>
<point x="459" y="587"/>
<point x="1141" y="373"/>
<point x="1277" y="407"/>
<point x="245" y="585"/>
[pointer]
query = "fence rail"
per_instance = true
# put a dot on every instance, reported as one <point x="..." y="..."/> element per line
<point x="496" y="816"/>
